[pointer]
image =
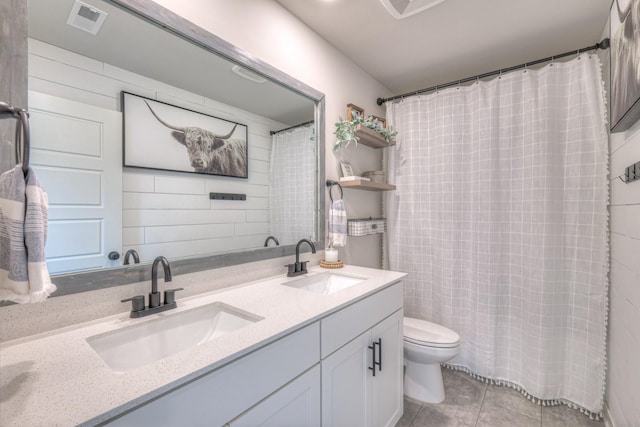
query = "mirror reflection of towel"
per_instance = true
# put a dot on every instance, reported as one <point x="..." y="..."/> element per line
<point x="338" y="224"/>
<point x="23" y="234"/>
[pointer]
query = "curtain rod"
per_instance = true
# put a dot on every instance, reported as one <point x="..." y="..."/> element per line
<point x="273" y="132"/>
<point x="604" y="44"/>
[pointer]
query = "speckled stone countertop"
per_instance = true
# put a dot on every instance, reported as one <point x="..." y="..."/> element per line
<point x="57" y="379"/>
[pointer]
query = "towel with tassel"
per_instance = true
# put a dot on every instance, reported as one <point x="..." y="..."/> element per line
<point x="24" y="208"/>
<point x="338" y="224"/>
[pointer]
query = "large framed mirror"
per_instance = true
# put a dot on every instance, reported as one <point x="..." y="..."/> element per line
<point x="101" y="210"/>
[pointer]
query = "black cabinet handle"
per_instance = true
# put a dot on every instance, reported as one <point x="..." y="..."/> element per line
<point x="373" y="356"/>
<point x="379" y="362"/>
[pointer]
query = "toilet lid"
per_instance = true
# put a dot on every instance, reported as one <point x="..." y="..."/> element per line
<point x="422" y="332"/>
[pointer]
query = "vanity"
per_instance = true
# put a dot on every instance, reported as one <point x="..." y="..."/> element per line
<point x="324" y="349"/>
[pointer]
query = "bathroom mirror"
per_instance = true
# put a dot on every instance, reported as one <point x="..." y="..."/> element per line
<point x="98" y="207"/>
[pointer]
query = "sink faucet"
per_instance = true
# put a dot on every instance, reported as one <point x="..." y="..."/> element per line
<point x="138" y="308"/>
<point x="266" y="242"/>
<point x="154" y="296"/>
<point x="300" y="267"/>
<point x="131" y="253"/>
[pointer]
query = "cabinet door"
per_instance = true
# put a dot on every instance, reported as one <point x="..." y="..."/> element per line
<point x="295" y="405"/>
<point x="387" y="385"/>
<point x="346" y="394"/>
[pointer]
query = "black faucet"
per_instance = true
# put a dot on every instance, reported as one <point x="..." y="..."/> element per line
<point x="266" y="242"/>
<point x="300" y="267"/>
<point x="138" y="308"/>
<point x="131" y="253"/>
<point x="154" y="296"/>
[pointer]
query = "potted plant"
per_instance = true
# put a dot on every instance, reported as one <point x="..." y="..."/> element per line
<point x="345" y="131"/>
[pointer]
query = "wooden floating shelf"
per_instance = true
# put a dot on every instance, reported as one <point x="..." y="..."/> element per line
<point x="371" y="138"/>
<point x="367" y="185"/>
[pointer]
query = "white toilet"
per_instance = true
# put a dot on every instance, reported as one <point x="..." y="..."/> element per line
<point x="426" y="345"/>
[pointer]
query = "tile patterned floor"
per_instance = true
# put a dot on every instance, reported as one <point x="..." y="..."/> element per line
<point x="472" y="403"/>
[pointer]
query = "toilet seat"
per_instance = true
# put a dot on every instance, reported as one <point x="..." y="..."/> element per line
<point x="422" y="332"/>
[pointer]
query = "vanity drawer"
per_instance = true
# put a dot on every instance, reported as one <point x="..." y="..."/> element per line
<point x="346" y="324"/>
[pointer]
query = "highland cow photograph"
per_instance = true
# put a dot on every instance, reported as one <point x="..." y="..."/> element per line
<point x="162" y="136"/>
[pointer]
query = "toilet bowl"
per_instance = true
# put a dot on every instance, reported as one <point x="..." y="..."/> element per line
<point x="426" y="346"/>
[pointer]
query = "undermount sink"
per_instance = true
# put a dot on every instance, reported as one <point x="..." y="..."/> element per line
<point x="326" y="283"/>
<point x="126" y="349"/>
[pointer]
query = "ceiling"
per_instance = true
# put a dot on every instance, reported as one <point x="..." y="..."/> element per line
<point x="454" y="39"/>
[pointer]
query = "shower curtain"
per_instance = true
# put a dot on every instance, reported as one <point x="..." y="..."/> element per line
<point x="291" y="187"/>
<point x="500" y="219"/>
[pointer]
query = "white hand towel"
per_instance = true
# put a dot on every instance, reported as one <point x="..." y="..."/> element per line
<point x="338" y="224"/>
<point x="23" y="234"/>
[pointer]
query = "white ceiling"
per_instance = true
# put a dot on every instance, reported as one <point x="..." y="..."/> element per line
<point x="453" y="40"/>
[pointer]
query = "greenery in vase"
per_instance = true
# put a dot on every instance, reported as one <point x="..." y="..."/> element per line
<point x="346" y="131"/>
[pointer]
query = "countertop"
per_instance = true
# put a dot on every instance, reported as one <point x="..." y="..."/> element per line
<point x="58" y="379"/>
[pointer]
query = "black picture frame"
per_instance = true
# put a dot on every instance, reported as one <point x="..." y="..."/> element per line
<point x="625" y="61"/>
<point x="162" y="136"/>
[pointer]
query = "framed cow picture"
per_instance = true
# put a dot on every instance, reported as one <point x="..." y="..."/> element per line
<point x="162" y="136"/>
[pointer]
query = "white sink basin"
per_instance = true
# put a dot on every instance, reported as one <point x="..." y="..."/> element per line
<point x="326" y="283"/>
<point x="134" y="346"/>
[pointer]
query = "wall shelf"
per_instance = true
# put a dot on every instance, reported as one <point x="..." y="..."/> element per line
<point x="367" y="185"/>
<point x="371" y="138"/>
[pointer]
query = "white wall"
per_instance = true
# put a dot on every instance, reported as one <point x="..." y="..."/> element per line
<point x="623" y="373"/>
<point x="269" y="32"/>
<point x="623" y="383"/>
<point x="168" y="213"/>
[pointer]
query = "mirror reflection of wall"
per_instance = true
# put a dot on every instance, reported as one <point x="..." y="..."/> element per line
<point x="97" y="206"/>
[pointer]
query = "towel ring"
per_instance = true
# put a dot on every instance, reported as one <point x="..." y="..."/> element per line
<point x="22" y="143"/>
<point x="331" y="184"/>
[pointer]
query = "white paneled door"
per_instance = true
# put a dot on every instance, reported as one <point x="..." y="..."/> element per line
<point x="76" y="151"/>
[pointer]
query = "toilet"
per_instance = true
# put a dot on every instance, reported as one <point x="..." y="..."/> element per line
<point x="426" y="345"/>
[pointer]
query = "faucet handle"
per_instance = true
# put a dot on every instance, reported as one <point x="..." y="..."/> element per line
<point x="291" y="270"/>
<point x="303" y="266"/>
<point x="137" y="303"/>
<point x="170" y="295"/>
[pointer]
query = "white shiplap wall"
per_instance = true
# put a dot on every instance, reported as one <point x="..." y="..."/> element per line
<point x="168" y="213"/>
<point x="623" y="383"/>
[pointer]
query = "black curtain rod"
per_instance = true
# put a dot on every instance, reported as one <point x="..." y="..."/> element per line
<point x="273" y="132"/>
<point x="604" y="44"/>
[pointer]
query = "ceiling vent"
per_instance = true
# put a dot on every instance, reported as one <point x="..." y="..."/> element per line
<point x="401" y="9"/>
<point x="249" y="75"/>
<point x="86" y="17"/>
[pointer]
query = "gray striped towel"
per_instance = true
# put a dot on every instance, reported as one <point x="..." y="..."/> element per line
<point x="23" y="234"/>
<point x="338" y="224"/>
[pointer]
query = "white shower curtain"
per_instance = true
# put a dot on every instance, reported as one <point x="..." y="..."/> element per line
<point x="291" y="187"/>
<point x="500" y="219"/>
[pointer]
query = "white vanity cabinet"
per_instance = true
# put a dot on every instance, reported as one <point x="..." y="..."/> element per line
<point x="322" y="374"/>
<point x="362" y="368"/>
<point x="222" y="395"/>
